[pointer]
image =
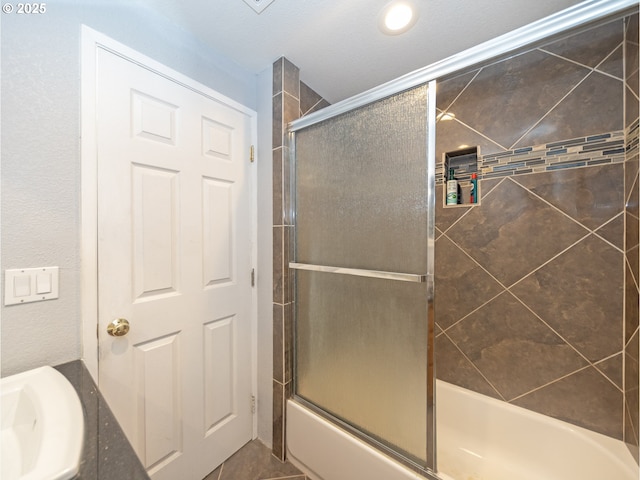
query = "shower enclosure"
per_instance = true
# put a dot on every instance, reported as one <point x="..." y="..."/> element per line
<point x="363" y="205"/>
<point x="363" y="262"/>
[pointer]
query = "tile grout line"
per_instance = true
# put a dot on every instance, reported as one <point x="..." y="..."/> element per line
<point x="445" y="330"/>
<point x="621" y="47"/>
<point x="547" y="262"/>
<point x="589" y="362"/>
<point x="302" y="114"/>
<point x="549" y="383"/>
<point x="463" y="90"/>
<point x="535" y="124"/>
<point x="593" y="69"/>
<point x="505" y="149"/>
<point x="474" y="260"/>
<point x="595" y="232"/>
<point x="532" y="271"/>
<point x="573" y="373"/>
<point x="561" y="337"/>
<point x="626" y="344"/>
<point x="564" y="213"/>
<point x="631" y="190"/>
<point x="629" y="422"/>
<point x="474" y="366"/>
<point x="508" y="289"/>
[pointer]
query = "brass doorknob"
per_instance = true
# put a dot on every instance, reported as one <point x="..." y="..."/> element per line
<point x="119" y="327"/>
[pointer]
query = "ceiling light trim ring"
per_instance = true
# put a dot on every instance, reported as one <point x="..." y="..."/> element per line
<point x="401" y="14"/>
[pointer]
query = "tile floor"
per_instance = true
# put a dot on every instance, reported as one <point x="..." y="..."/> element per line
<point x="255" y="462"/>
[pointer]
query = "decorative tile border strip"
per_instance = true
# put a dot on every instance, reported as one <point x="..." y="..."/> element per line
<point x="572" y="153"/>
<point x="632" y="138"/>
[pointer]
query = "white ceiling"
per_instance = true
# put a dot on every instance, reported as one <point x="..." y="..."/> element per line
<point x="337" y="44"/>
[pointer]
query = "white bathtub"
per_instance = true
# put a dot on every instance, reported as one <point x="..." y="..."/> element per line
<point x="479" y="438"/>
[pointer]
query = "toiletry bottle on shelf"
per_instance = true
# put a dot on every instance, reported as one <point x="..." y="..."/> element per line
<point x="473" y="198"/>
<point x="452" y="189"/>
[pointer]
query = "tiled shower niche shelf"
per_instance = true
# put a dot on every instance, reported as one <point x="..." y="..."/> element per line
<point x="464" y="163"/>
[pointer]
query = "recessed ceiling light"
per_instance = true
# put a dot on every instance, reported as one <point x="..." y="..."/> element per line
<point x="397" y="17"/>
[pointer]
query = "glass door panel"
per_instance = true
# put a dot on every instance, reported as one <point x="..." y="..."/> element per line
<point x="361" y="261"/>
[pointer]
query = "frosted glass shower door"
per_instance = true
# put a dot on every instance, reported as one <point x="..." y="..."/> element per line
<point x="361" y="267"/>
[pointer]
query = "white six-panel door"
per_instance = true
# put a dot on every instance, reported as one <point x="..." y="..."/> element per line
<point x="174" y="259"/>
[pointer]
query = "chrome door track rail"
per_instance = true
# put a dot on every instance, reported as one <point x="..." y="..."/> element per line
<point x="403" y="277"/>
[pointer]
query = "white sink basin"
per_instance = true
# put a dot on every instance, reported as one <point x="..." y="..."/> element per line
<point x="42" y="426"/>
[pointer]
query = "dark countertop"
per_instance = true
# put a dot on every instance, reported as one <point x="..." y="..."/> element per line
<point x="107" y="454"/>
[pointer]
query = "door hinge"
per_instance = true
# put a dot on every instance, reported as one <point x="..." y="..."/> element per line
<point x="253" y="404"/>
<point x="251" y="158"/>
<point x="253" y="277"/>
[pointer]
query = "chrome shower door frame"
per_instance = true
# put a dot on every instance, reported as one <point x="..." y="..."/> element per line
<point x="429" y="468"/>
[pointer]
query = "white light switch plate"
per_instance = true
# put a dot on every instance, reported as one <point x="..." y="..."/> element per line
<point x="22" y="284"/>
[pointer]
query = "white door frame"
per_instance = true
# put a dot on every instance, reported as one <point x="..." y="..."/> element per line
<point x="91" y="41"/>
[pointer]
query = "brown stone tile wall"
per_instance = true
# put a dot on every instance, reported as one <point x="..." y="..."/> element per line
<point x="530" y="283"/>
<point x="291" y="100"/>
<point x="631" y="239"/>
